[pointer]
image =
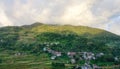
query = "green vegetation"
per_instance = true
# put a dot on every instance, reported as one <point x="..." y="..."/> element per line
<point x="58" y="65"/>
<point x="22" y="47"/>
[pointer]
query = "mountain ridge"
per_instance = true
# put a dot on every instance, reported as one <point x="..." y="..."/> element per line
<point x="38" y="24"/>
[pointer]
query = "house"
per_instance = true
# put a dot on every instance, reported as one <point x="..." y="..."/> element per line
<point x="116" y="58"/>
<point x="95" y="66"/>
<point x="44" y="49"/>
<point x="18" y="54"/>
<point x="100" y="55"/>
<point x="53" y="57"/>
<point x="49" y="50"/>
<point x="88" y="55"/>
<point x="76" y="67"/>
<point x="47" y="45"/>
<point x="86" y="66"/>
<point x="1" y="40"/>
<point x="58" y="54"/>
<point x="73" y="61"/>
<point x="55" y="54"/>
<point x="56" y="43"/>
<point x="71" y="54"/>
<point x="85" y="55"/>
<point x="51" y="44"/>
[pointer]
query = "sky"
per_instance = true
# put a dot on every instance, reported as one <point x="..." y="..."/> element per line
<point x="103" y="14"/>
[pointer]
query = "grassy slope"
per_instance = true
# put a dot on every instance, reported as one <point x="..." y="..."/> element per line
<point x="76" y="29"/>
<point x="79" y="30"/>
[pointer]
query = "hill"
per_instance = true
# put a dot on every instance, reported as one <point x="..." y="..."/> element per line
<point x="32" y="39"/>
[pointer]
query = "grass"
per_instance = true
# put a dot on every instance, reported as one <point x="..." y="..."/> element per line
<point x="31" y="61"/>
<point x="75" y="29"/>
<point x="25" y="62"/>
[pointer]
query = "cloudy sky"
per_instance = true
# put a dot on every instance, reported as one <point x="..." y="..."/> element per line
<point x="104" y="14"/>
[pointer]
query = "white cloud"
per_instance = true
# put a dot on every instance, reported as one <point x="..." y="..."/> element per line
<point x="78" y="14"/>
<point x="95" y="13"/>
<point x="4" y="19"/>
<point x="114" y="25"/>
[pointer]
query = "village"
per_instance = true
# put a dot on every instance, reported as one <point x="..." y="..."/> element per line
<point x="75" y="57"/>
<point x="86" y="56"/>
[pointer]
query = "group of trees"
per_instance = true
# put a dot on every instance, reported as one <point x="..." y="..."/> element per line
<point x="68" y="41"/>
<point x="7" y="41"/>
<point x="71" y="42"/>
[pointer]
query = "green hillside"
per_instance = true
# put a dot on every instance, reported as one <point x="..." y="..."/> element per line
<point x="28" y="42"/>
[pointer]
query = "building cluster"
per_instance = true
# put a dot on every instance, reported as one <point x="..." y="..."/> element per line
<point x="19" y="54"/>
<point x="50" y="43"/>
<point x="86" y="56"/>
<point x="82" y="56"/>
<point x="72" y="55"/>
<point x="55" y="54"/>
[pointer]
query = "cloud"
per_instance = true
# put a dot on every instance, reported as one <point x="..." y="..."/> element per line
<point x="114" y="24"/>
<point x="95" y="13"/>
<point x="4" y="19"/>
<point x="79" y="14"/>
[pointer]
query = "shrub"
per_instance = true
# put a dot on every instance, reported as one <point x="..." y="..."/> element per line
<point x="58" y="65"/>
<point x="0" y="60"/>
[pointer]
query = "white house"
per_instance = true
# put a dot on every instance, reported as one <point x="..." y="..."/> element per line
<point x="44" y="49"/>
<point x="100" y="55"/>
<point x="53" y="57"/>
<point x="116" y="58"/>
<point x="55" y="53"/>
<point x="58" y="54"/>
<point x="86" y="66"/>
<point x="71" y="53"/>
<point x="73" y="61"/>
